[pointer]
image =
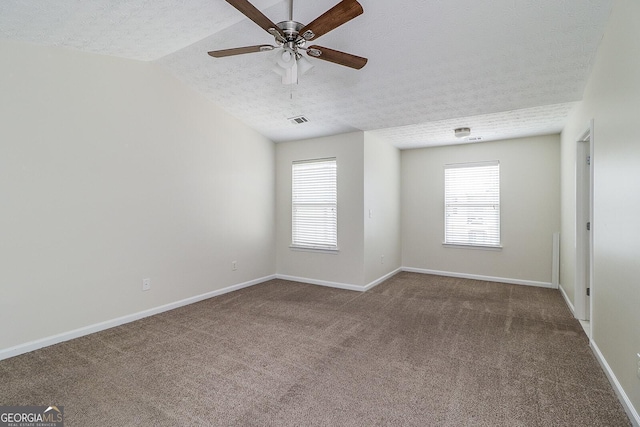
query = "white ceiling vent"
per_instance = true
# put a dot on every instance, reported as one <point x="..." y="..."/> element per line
<point x="298" y="120"/>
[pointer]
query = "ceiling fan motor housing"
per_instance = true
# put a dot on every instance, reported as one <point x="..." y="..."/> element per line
<point x="291" y="31"/>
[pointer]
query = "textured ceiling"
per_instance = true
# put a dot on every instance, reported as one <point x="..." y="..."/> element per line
<point x="135" y="29"/>
<point x="505" y="68"/>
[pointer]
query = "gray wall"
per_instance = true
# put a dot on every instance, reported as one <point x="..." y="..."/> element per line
<point x="382" y="200"/>
<point x="530" y="209"/>
<point x="368" y="179"/>
<point x="612" y="100"/>
<point x="345" y="266"/>
<point x="113" y="171"/>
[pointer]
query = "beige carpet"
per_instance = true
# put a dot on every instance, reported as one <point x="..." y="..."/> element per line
<point x="417" y="350"/>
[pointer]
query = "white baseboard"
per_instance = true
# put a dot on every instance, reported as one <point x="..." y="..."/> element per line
<point x="338" y="285"/>
<point x="479" y="277"/>
<point x="622" y="396"/>
<point x="382" y="279"/>
<point x="76" y="333"/>
<point x="566" y="299"/>
<point x="326" y="283"/>
<point x="80" y="332"/>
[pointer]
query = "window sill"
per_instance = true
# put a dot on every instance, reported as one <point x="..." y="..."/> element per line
<point x="316" y="250"/>
<point x="482" y="248"/>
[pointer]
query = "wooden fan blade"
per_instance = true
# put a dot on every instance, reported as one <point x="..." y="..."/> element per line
<point x="240" y="50"/>
<point x="343" y="12"/>
<point x="251" y="12"/>
<point x="337" y="57"/>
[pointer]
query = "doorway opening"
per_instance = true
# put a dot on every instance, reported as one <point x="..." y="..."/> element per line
<point x="584" y="229"/>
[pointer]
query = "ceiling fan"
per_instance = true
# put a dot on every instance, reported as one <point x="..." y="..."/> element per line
<point x="292" y="37"/>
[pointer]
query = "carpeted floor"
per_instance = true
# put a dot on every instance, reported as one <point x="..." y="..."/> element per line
<point x="417" y="350"/>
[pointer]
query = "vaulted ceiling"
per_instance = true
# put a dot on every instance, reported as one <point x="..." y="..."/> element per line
<point x="505" y="68"/>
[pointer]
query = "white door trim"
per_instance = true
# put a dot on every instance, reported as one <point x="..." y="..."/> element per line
<point x="584" y="214"/>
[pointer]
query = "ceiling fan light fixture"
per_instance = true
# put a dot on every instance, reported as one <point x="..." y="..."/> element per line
<point x="286" y="59"/>
<point x="462" y="132"/>
<point x="304" y="65"/>
<point x="289" y="74"/>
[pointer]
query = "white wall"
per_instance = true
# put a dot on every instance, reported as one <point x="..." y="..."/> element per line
<point x="113" y="171"/>
<point x="530" y="209"/>
<point x="381" y="208"/>
<point x="368" y="179"/>
<point x="346" y="266"/>
<point x="612" y="99"/>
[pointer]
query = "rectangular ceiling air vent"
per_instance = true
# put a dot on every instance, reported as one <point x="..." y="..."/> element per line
<point x="298" y="120"/>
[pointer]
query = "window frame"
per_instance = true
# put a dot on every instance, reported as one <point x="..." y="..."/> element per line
<point x="456" y="243"/>
<point x="319" y="245"/>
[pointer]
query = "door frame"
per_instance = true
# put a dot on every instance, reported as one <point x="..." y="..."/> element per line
<point x="584" y="214"/>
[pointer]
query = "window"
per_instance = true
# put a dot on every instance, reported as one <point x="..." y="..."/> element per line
<point x="314" y="204"/>
<point x="472" y="204"/>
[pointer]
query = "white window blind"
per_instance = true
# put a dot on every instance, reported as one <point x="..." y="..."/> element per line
<point x="472" y="204"/>
<point x="315" y="204"/>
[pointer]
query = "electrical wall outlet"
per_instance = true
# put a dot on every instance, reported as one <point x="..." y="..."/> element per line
<point x="234" y="265"/>
<point x="146" y="284"/>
